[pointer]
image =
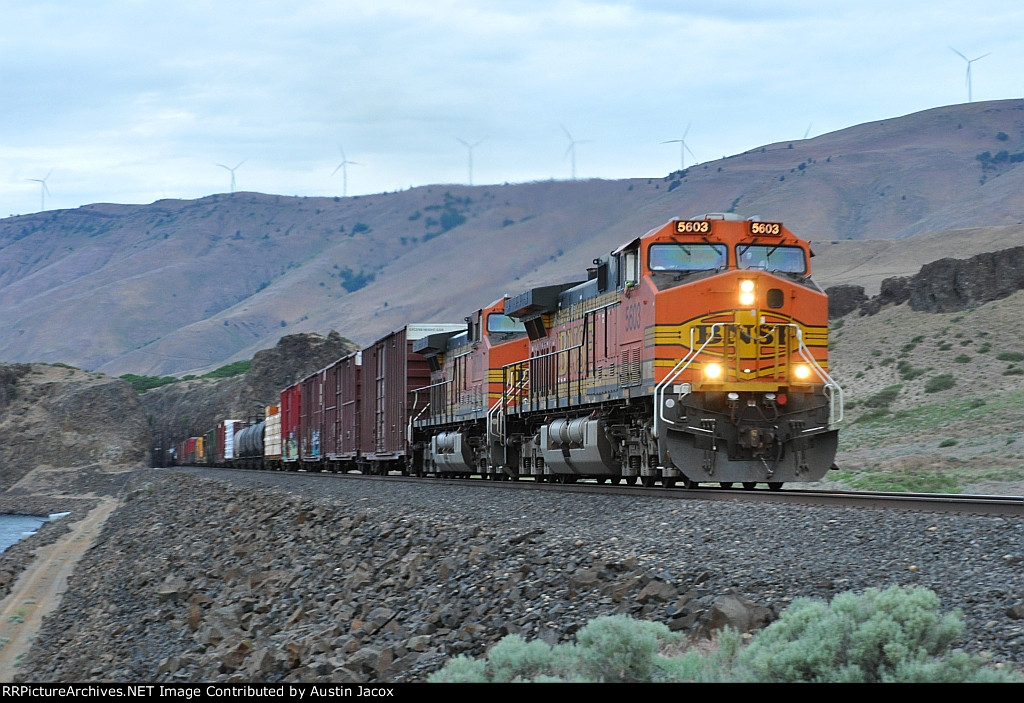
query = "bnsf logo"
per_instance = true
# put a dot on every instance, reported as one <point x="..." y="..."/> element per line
<point x="760" y="334"/>
<point x="568" y="339"/>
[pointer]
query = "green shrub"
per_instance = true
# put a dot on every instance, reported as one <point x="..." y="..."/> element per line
<point x="1010" y="356"/>
<point x="908" y="372"/>
<point x="233" y="369"/>
<point x="619" y="649"/>
<point x="884" y="397"/>
<point x="614" y="648"/>
<point x="962" y="359"/>
<point x="948" y="442"/>
<point x="875" y="414"/>
<point x="141" y="384"/>
<point x="943" y="381"/>
<point x="897" y="635"/>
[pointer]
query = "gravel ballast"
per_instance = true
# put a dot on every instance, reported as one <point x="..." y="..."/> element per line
<point x="274" y="577"/>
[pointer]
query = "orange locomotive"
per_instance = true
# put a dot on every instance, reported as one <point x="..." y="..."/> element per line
<point x="696" y="353"/>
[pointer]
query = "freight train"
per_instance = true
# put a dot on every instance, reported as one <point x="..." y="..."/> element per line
<point x="696" y="353"/>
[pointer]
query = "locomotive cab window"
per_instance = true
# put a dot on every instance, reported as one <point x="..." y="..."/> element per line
<point x="630" y="261"/>
<point x="771" y="257"/>
<point x="687" y="257"/>
<point x="503" y="324"/>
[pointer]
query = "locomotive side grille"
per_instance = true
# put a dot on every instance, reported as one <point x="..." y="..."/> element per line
<point x="629" y="367"/>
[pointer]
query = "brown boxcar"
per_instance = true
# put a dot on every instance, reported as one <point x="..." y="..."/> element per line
<point x="312" y="403"/>
<point x="392" y="374"/>
<point x="224" y="452"/>
<point x="290" y="410"/>
<point x="341" y="415"/>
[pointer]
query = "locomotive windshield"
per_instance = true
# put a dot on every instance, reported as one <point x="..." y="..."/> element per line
<point x="771" y="257"/>
<point x="498" y="323"/>
<point x="687" y="257"/>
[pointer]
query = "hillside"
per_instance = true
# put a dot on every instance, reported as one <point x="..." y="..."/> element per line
<point x="185" y="286"/>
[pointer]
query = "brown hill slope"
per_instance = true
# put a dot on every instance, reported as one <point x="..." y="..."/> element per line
<point x="179" y="286"/>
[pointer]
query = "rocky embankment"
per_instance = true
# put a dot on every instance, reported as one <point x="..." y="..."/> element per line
<point x="276" y="577"/>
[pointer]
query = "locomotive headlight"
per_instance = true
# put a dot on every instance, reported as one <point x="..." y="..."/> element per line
<point x="746" y="292"/>
<point x="802" y="371"/>
<point x="712" y="371"/>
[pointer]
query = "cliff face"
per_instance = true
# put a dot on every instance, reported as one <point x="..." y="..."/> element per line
<point x="189" y="408"/>
<point x="946" y="285"/>
<point x="950" y="285"/>
<point x="65" y="417"/>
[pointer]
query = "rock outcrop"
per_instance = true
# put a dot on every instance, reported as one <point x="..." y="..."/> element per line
<point x="951" y="285"/>
<point x="62" y="416"/>
<point x="946" y="285"/>
<point x="191" y="407"/>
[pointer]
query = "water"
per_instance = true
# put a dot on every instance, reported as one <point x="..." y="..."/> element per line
<point x="14" y="527"/>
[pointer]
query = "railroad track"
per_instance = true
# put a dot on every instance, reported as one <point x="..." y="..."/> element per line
<point x="1004" y="506"/>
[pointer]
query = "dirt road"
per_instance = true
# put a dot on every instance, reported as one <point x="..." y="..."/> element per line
<point x="38" y="590"/>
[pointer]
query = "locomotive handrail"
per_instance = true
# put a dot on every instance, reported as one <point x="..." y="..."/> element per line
<point x="833" y="390"/>
<point x="526" y="363"/>
<point x="415" y="396"/>
<point x="682" y="365"/>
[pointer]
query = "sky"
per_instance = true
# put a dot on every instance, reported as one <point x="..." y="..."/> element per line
<point x="132" y="101"/>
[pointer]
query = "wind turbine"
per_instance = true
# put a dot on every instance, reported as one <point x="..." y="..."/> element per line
<point x="682" y="148"/>
<point x="43" y="190"/>
<point x="344" y="170"/>
<point x="967" y="80"/>
<point x="572" y="149"/>
<point x="470" y="148"/>
<point x="232" y="170"/>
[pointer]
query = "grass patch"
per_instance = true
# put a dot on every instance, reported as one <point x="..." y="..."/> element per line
<point x="902" y="481"/>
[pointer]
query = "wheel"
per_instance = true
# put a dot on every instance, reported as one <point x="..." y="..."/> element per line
<point x="669" y="482"/>
<point x="631" y="480"/>
<point x="725" y="484"/>
<point x="617" y="480"/>
<point x="688" y="484"/>
<point x="775" y="486"/>
<point x="749" y="485"/>
<point x="601" y="480"/>
<point x="647" y="481"/>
